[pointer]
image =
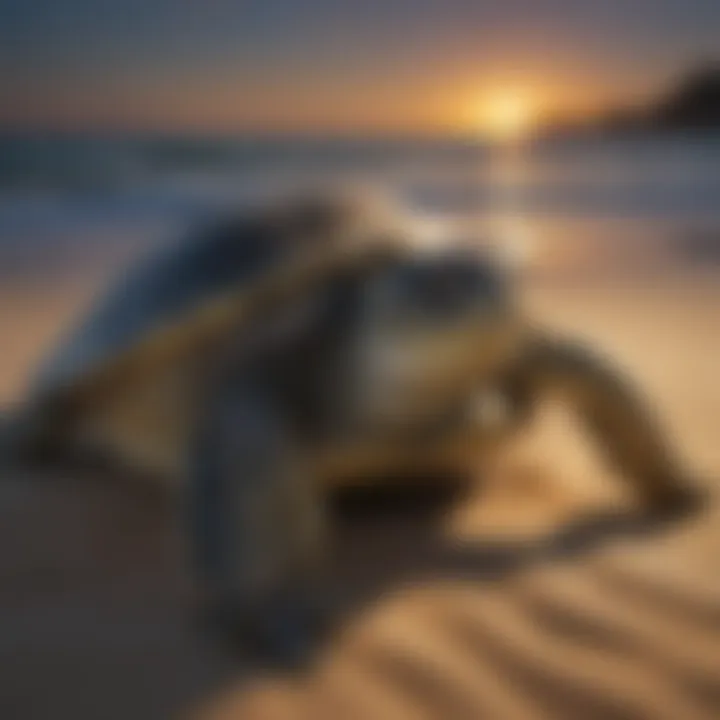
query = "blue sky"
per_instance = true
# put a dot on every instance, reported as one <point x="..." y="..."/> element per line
<point x="415" y="64"/>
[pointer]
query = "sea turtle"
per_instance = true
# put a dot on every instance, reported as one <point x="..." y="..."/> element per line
<point x="305" y="344"/>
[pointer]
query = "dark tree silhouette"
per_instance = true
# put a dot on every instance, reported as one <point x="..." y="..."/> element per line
<point x="694" y="103"/>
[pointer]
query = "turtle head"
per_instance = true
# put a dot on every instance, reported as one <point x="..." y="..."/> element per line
<point x="446" y="313"/>
<point x="438" y="292"/>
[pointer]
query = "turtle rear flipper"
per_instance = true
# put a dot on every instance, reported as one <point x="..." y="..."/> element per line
<point x="27" y="440"/>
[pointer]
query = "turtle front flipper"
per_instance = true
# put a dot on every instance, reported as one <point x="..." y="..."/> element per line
<point x="613" y="412"/>
<point x="257" y="529"/>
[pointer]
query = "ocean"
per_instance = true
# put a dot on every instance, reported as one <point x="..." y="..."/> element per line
<point x="83" y="206"/>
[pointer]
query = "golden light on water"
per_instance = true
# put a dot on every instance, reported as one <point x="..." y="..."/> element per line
<point x="507" y="116"/>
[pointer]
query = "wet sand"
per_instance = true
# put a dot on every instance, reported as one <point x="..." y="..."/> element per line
<point x="511" y="603"/>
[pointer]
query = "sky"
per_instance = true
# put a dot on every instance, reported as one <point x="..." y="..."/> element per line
<point x="410" y="66"/>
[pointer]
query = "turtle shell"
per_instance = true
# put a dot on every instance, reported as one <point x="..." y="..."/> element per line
<point x="167" y="287"/>
<point x="124" y="380"/>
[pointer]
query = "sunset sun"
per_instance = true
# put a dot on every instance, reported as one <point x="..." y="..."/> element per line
<point x="506" y="116"/>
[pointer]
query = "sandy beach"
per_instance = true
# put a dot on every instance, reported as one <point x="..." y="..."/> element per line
<point x="151" y="151"/>
<point x="511" y="604"/>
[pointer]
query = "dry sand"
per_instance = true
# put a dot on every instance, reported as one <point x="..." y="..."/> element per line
<point x="508" y="605"/>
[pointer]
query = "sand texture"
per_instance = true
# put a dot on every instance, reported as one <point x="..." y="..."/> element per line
<point x="523" y="600"/>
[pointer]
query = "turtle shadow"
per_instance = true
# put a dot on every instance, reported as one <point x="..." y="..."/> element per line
<point x="393" y="537"/>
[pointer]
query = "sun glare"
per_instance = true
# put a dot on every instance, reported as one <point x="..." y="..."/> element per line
<point x="506" y="116"/>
